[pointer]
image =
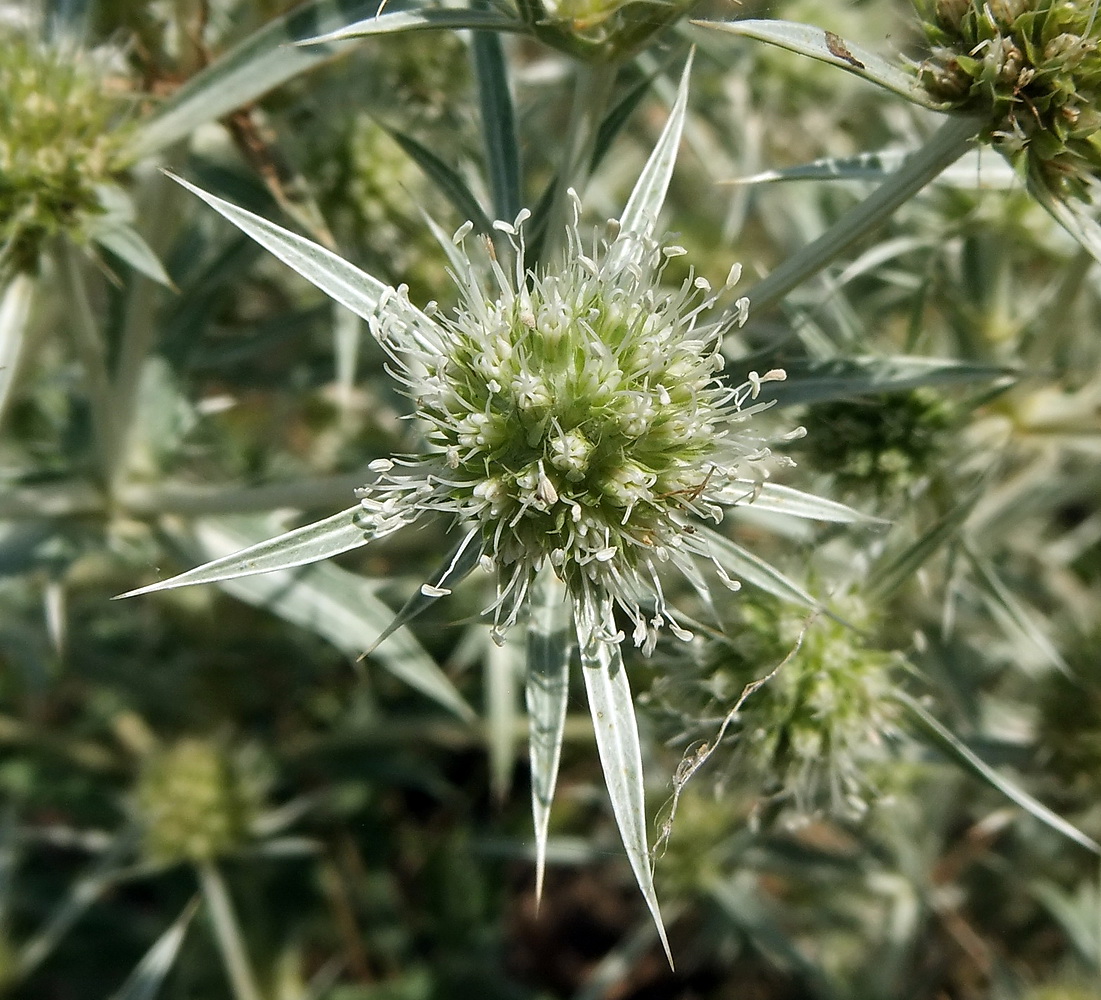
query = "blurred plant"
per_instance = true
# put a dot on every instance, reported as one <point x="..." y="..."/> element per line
<point x="62" y="131"/>
<point x="197" y="801"/>
<point x="884" y="444"/>
<point x="805" y="707"/>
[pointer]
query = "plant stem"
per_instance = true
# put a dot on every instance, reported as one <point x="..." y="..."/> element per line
<point x="592" y="92"/>
<point x="228" y="933"/>
<point x="950" y="142"/>
<point x="139" y="326"/>
<point x="92" y="353"/>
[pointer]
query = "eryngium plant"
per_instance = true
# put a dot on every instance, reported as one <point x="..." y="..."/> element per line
<point x="1033" y="70"/>
<point x="59" y="144"/>
<point x="578" y="434"/>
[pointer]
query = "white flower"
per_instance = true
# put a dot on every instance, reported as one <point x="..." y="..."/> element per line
<point x="575" y="416"/>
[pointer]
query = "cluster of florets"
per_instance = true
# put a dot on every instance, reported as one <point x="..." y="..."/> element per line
<point x="198" y="800"/>
<point x="1033" y="69"/>
<point x="885" y="444"/>
<point x="815" y="732"/>
<point x="578" y="418"/>
<point x="57" y="143"/>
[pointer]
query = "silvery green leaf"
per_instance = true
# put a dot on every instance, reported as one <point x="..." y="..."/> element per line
<point x="328" y="537"/>
<point x="498" y="123"/>
<point x="426" y="19"/>
<point x="449" y="183"/>
<point x="1014" y="619"/>
<point x="337" y="278"/>
<point x="852" y="377"/>
<point x="779" y="499"/>
<point x="145" y="982"/>
<point x="741" y="564"/>
<point x="954" y="138"/>
<point x="827" y="47"/>
<point x="550" y="650"/>
<point x="250" y="69"/>
<point x="957" y="749"/>
<point x="617" y="743"/>
<point x="979" y="168"/>
<point x="894" y="569"/>
<point x="15" y="312"/>
<point x="644" y="205"/>
<point x="456" y="567"/>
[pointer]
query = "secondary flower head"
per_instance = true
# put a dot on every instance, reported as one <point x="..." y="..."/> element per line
<point x="59" y="142"/>
<point x="1033" y="67"/>
<point x="578" y="418"/>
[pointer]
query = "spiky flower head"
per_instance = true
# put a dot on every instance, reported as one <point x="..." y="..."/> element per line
<point x="197" y="800"/>
<point x="579" y="436"/>
<point x="815" y="707"/>
<point x="59" y="142"/>
<point x="1032" y="68"/>
<point x="578" y="419"/>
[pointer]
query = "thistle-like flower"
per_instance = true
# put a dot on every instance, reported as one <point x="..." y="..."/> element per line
<point x="579" y="437"/>
<point x="577" y="419"/>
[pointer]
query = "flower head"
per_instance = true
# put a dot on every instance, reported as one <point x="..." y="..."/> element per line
<point x="576" y="417"/>
<point x="1033" y="68"/>
<point x="58" y="143"/>
<point x="578" y="435"/>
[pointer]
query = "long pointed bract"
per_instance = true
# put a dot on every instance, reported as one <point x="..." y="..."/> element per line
<point x="550" y="649"/>
<point x="616" y="729"/>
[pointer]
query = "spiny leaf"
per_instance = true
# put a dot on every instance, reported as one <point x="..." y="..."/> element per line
<point x="617" y="742"/>
<point x="955" y="748"/>
<point x="456" y="567"/>
<point x="335" y="604"/>
<point x="498" y="124"/>
<point x="741" y="564"/>
<point x="827" y="47"/>
<point x="338" y="279"/>
<point x="550" y="650"/>
<point x="853" y="377"/>
<point x="644" y="205"/>
<point x="145" y="982"/>
<point x="455" y="19"/>
<point x="328" y="537"/>
<point x="777" y="499"/>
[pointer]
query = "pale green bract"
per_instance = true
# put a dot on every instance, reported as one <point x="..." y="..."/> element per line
<point x="576" y="425"/>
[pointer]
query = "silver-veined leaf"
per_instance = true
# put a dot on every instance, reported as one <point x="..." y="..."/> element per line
<point x="547" y="692"/>
<point x="827" y="47"/>
<point x="644" y="205"/>
<point x="365" y="295"/>
<point x="328" y="537"/>
<point x="617" y="742"/>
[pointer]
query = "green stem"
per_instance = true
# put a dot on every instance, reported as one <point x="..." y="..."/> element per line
<point x="592" y="92"/>
<point x="951" y="141"/>
<point x="227" y="933"/>
<point x="92" y="353"/>
<point x="139" y="326"/>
